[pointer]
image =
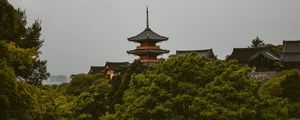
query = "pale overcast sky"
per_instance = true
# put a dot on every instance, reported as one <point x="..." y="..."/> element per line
<point x="81" y="33"/>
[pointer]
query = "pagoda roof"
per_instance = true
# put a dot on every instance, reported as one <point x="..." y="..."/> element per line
<point x="291" y="51"/>
<point x="148" y="36"/>
<point x="96" y="69"/>
<point x="148" y="51"/>
<point x="245" y="55"/>
<point x="117" y="66"/>
<point x="207" y="53"/>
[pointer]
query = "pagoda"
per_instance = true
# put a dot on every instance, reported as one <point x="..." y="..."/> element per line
<point x="148" y="50"/>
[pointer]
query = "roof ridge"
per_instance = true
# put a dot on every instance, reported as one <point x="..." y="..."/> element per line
<point x="116" y="62"/>
<point x="291" y="40"/>
<point x="196" y="50"/>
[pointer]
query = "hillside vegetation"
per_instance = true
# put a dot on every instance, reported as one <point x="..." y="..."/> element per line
<point x="178" y="88"/>
<point x="181" y="87"/>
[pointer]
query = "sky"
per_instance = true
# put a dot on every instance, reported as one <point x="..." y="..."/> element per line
<point x="83" y="33"/>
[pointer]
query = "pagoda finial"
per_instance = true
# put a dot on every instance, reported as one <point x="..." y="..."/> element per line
<point x="147" y="17"/>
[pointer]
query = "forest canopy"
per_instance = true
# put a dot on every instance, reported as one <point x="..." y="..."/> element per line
<point x="181" y="87"/>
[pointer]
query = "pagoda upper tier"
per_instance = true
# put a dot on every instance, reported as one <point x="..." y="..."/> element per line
<point x="148" y="36"/>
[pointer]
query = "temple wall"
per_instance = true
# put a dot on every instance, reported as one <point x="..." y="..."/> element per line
<point x="263" y="76"/>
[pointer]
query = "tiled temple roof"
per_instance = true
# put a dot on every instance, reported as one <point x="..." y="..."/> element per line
<point x="291" y="51"/>
<point x="244" y="55"/>
<point x="148" y="36"/>
<point x="207" y="53"/>
<point x="96" y="69"/>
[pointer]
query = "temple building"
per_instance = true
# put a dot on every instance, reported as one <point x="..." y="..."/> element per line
<point x="110" y="70"/>
<point x="291" y="54"/>
<point x="113" y="69"/>
<point x="256" y="58"/>
<point x="206" y="53"/>
<point x="148" y="50"/>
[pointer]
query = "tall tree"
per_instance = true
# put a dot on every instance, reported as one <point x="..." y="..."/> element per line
<point x="16" y="101"/>
<point x="257" y="43"/>
<point x="120" y="83"/>
<point x="14" y="29"/>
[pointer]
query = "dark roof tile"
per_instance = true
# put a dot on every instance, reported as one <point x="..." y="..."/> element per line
<point x="96" y="69"/>
<point x="291" y="46"/>
<point x="148" y="35"/>
<point x="117" y="66"/>
<point x="291" y="51"/>
<point x="244" y="55"/>
<point x="207" y="53"/>
<point x="148" y="51"/>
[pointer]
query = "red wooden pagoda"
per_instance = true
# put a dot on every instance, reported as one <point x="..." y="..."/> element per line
<point x="148" y="50"/>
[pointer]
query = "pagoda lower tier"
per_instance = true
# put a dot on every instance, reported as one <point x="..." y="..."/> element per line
<point x="148" y="55"/>
<point x="155" y="52"/>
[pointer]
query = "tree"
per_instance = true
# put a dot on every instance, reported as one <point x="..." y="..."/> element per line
<point x="93" y="91"/>
<point x="120" y="83"/>
<point x="13" y="28"/>
<point x="282" y="93"/>
<point x="17" y="100"/>
<point x="190" y="87"/>
<point x="81" y="83"/>
<point x="257" y="43"/>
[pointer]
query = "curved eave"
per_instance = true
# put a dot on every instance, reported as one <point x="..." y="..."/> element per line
<point x="148" y="36"/>
<point x="148" y="51"/>
<point x="147" y="40"/>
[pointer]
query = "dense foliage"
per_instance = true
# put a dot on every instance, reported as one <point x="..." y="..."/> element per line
<point x="189" y="87"/>
<point x="192" y="87"/>
<point x="14" y="29"/>
<point x="285" y="90"/>
<point x="181" y="87"/>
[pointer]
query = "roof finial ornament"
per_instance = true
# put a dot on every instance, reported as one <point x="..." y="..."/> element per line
<point x="147" y="17"/>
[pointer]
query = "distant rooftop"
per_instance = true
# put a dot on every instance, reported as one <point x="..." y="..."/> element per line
<point x="96" y="69"/>
<point x="207" y="53"/>
<point x="117" y="66"/>
<point x="291" y="51"/>
<point x="244" y="55"/>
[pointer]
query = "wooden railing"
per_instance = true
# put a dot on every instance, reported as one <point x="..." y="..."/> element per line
<point x="150" y="60"/>
<point x="147" y="47"/>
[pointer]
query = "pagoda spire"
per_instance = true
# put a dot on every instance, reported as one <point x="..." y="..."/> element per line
<point x="148" y="50"/>
<point x="147" y="17"/>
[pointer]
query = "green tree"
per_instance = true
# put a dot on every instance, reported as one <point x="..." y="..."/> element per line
<point x="120" y="83"/>
<point x="17" y="100"/>
<point x="257" y="43"/>
<point x="13" y="28"/>
<point x="93" y="91"/>
<point x="81" y="83"/>
<point x="282" y="92"/>
<point x="190" y="87"/>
